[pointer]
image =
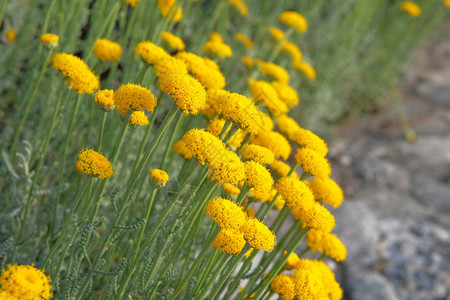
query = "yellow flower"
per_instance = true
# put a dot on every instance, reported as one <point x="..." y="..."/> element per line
<point x="313" y="163"/>
<point x="251" y="213"/>
<point x="328" y="191"/>
<point x="287" y="125"/>
<point x="276" y="33"/>
<point x="6" y="296"/>
<point x="104" y="99"/>
<point x="327" y="243"/>
<point x="165" y="6"/>
<point x="204" y="70"/>
<point x="25" y="283"/>
<point x="263" y="196"/>
<point x="180" y="148"/>
<point x="150" y="52"/>
<point x="80" y="77"/>
<point x="296" y="193"/>
<point x="218" y="48"/>
<point x="273" y="141"/>
<point x="235" y="107"/>
<point x="282" y="168"/>
<point x="50" y="39"/>
<point x="11" y="35"/>
<point x="240" y="5"/>
<point x="225" y="213"/>
<point x="293" y="50"/>
<point x="286" y="93"/>
<point x="158" y="178"/>
<point x="248" y="253"/>
<point x="107" y="50"/>
<point x="173" y="41"/>
<point x="258" y="177"/>
<point x="318" y="218"/>
<point x="292" y="261"/>
<point x="245" y="39"/>
<point x="229" y="241"/>
<point x="283" y="286"/>
<point x="215" y="127"/>
<point x="258" y="235"/>
<point x="248" y="61"/>
<point x="332" y="287"/>
<point x="177" y="14"/>
<point x="169" y="65"/>
<point x="257" y="153"/>
<point x="308" y="281"/>
<point x="138" y="118"/>
<point x="294" y="19"/>
<point x="262" y="91"/>
<point x="306" y="68"/>
<point x="133" y="97"/>
<point x="188" y="93"/>
<point x="94" y="163"/>
<point x="216" y="37"/>
<point x="308" y="139"/>
<point x="273" y="70"/>
<point x="231" y="189"/>
<point x="132" y="2"/>
<point x="411" y="8"/>
<point x="446" y="3"/>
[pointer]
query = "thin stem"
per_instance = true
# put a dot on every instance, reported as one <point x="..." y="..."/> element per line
<point x="102" y="129"/>
<point x="171" y="140"/>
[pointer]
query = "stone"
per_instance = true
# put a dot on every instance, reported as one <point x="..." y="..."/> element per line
<point x="436" y="92"/>
<point x="368" y="285"/>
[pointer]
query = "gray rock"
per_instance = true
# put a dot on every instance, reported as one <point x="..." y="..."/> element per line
<point x="437" y="92"/>
<point x="432" y="193"/>
<point x="368" y="285"/>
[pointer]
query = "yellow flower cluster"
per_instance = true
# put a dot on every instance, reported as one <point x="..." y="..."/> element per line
<point x="293" y="50"/>
<point x="318" y="218"/>
<point x="133" y="97"/>
<point x="240" y="5"/>
<point x="80" y="77"/>
<point x="11" y="35"/>
<point x="231" y="189"/>
<point x="229" y="241"/>
<point x="292" y="261"/>
<point x="204" y="70"/>
<point x="333" y="289"/>
<point x="286" y="93"/>
<point x="165" y="6"/>
<point x="226" y="213"/>
<point x="276" y="33"/>
<point x="104" y="99"/>
<point x="138" y="118"/>
<point x="287" y="125"/>
<point x="327" y="243"/>
<point x="296" y="194"/>
<point x="245" y="39"/>
<point x="313" y="163"/>
<point x="25" y="283"/>
<point x="173" y="41"/>
<point x="248" y="61"/>
<point x="282" y="168"/>
<point x="308" y="281"/>
<point x="273" y="141"/>
<point x="188" y="93"/>
<point x="225" y="164"/>
<point x="107" y="50"/>
<point x="411" y="8"/>
<point x="306" y="68"/>
<point x="327" y="190"/>
<point x="308" y="139"/>
<point x="258" y="177"/>
<point x="258" y="235"/>
<point x="295" y="20"/>
<point x="284" y="286"/>
<point x="180" y="148"/>
<point x="50" y="39"/>
<point x="150" y="52"/>
<point x="94" y="163"/>
<point x="132" y="2"/>
<point x="158" y="178"/>
<point x="168" y="65"/>
<point x="218" y="48"/>
<point x="262" y="91"/>
<point x="257" y="153"/>
<point x="274" y="70"/>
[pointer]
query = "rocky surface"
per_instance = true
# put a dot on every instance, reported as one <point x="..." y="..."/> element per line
<point x="396" y="217"/>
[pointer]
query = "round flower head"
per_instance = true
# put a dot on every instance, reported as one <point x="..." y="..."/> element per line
<point x="204" y="70"/>
<point x="276" y="33"/>
<point x="306" y="68"/>
<point x="286" y="93"/>
<point x="296" y="193"/>
<point x="287" y="125"/>
<point x="308" y="281"/>
<point x="240" y="5"/>
<point x="187" y="92"/>
<point x="248" y="253"/>
<point x="94" y="163"/>
<point x="169" y="65"/>
<point x="215" y="37"/>
<point x="327" y="243"/>
<point x="293" y="50"/>
<point x="257" y="153"/>
<point x="245" y="39"/>
<point x="235" y="107"/>
<point x="174" y="42"/>
<point x="328" y="191"/>
<point x="292" y="261"/>
<point x="332" y="287"/>
<point x="283" y="286"/>
<point x="313" y="163"/>
<point x="446" y="3"/>
<point x="107" y="50"/>
<point x="11" y="35"/>
<point x="411" y="8"/>
<point x="80" y="77"/>
<point x="158" y="178"/>
<point x="50" y="39"/>
<point x="24" y="282"/>
<point x="165" y="6"/>
<point x="138" y="118"/>
<point x="258" y="235"/>
<point x="229" y="241"/>
<point x="248" y="61"/>
<point x="308" y="139"/>
<point x="218" y="48"/>
<point x="231" y="189"/>
<point x="264" y="122"/>
<point x="132" y="3"/>
<point x="133" y="97"/>
<point x="318" y="217"/>
<point x="180" y="148"/>
<point x="104" y="99"/>
<point x="225" y="213"/>
<point x="258" y="177"/>
<point x="275" y="142"/>
<point x="294" y="19"/>
<point x="282" y="168"/>
<point x="273" y="70"/>
<point x="150" y="52"/>
<point x="263" y="91"/>
<point x="176" y="15"/>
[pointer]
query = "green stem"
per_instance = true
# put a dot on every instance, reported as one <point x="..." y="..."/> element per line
<point x="171" y="140"/>
<point x="102" y="129"/>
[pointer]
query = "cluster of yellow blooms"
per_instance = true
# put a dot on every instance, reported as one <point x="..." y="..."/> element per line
<point x="216" y="46"/>
<point x="94" y="163"/>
